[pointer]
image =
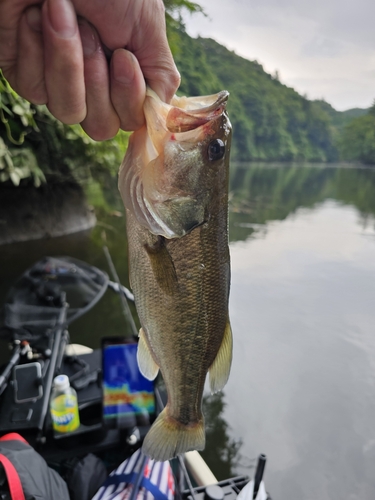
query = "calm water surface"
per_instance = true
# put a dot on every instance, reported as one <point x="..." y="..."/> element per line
<point x="302" y="387"/>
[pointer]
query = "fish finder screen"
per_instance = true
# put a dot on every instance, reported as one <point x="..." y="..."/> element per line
<point x="126" y="392"/>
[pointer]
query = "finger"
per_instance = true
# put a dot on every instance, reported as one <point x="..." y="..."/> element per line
<point x="151" y="48"/>
<point x="128" y="89"/>
<point x="63" y="62"/>
<point x="30" y="58"/>
<point x="101" y="121"/>
<point x="139" y="26"/>
<point x="10" y="15"/>
<point x="161" y="73"/>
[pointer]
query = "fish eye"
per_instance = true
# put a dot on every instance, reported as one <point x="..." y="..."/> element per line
<point x="216" y="149"/>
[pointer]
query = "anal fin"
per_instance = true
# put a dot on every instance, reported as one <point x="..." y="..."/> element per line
<point x="220" y="368"/>
<point x="146" y="363"/>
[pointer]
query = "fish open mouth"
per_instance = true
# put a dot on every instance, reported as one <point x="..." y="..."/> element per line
<point x="189" y="114"/>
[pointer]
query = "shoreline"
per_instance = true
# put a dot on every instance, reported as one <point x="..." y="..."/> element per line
<point x="51" y="210"/>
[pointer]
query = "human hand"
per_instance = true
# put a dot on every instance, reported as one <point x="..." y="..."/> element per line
<point x="50" y="57"/>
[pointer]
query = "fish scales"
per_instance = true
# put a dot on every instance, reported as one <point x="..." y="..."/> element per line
<point x="181" y="281"/>
<point x="191" y="307"/>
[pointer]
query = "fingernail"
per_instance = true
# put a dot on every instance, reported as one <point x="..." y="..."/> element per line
<point x="88" y="38"/>
<point x="62" y="17"/>
<point x="123" y="63"/>
<point x="34" y="18"/>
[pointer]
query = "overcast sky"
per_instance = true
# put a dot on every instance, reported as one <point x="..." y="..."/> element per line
<point x="322" y="48"/>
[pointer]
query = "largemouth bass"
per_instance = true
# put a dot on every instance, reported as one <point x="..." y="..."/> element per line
<point x="174" y="184"/>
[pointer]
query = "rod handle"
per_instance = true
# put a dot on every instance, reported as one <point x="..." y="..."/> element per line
<point x="259" y="473"/>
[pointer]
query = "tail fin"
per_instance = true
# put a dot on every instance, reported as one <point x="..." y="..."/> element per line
<point x="168" y="438"/>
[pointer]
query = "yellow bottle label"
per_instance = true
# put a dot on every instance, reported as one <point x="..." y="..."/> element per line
<point x="64" y="412"/>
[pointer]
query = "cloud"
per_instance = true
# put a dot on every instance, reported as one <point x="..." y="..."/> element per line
<point x="312" y="41"/>
<point x="321" y="46"/>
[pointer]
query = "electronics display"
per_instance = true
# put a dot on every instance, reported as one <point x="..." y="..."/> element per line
<point x="128" y="397"/>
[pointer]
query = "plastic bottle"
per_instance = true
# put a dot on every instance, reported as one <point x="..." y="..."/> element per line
<point x="64" y="406"/>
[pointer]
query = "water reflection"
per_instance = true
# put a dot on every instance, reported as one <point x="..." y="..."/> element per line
<point x="222" y="451"/>
<point x="303" y="283"/>
<point x="266" y="192"/>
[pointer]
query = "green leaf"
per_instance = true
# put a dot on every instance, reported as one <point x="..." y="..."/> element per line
<point x="14" y="177"/>
<point x="18" y="109"/>
<point x="5" y="108"/>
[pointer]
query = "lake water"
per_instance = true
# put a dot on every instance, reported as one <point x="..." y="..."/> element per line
<point x="302" y="305"/>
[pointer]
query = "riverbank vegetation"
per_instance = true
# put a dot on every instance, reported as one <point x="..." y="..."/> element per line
<point x="35" y="146"/>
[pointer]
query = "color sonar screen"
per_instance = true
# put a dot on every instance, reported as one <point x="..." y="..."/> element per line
<point x="126" y="392"/>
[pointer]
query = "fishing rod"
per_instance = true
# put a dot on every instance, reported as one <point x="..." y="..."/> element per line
<point x="125" y="306"/>
<point x="20" y="349"/>
<point x="255" y="490"/>
<point x="138" y="479"/>
<point x="58" y="346"/>
<point x="259" y="473"/>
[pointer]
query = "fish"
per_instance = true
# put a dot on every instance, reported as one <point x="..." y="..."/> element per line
<point x="174" y="185"/>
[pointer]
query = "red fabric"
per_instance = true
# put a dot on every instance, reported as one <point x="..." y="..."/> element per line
<point x="13" y="436"/>
<point x="14" y="482"/>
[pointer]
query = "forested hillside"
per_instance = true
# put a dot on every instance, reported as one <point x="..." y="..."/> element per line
<point x="271" y="121"/>
<point x="357" y="141"/>
<point x="340" y="119"/>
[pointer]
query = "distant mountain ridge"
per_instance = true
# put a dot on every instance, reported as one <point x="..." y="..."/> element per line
<point x="271" y="121"/>
<point x="341" y="118"/>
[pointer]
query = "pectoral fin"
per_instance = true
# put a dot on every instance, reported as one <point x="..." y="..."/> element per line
<point x="220" y="368"/>
<point x="146" y="363"/>
<point x="163" y="266"/>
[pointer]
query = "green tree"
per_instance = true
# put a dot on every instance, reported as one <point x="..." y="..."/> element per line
<point x="357" y="142"/>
